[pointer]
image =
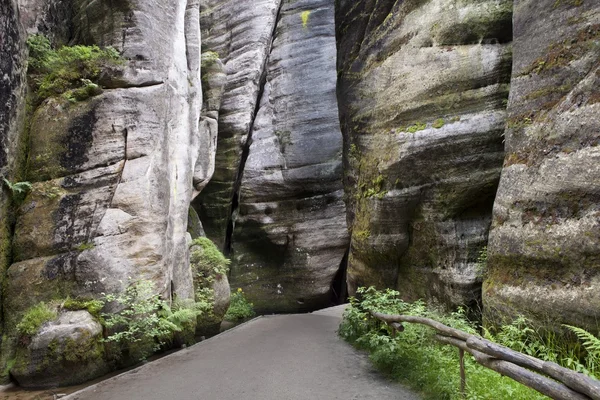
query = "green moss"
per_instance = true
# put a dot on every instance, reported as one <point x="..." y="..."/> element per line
<point x="571" y="3"/>
<point x="207" y="259"/>
<point x="69" y="68"/>
<point x="418" y="126"/>
<point x="438" y="123"/>
<point x="34" y="318"/>
<point x="92" y="306"/>
<point x="85" y="246"/>
<point x="208" y="58"/>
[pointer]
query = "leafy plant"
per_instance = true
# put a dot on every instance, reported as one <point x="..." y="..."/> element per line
<point x="18" y="190"/>
<point x="144" y="317"/>
<point x="34" y="318"/>
<point x="414" y="357"/>
<point x="239" y="307"/>
<point x="592" y="345"/>
<point x="69" y="70"/>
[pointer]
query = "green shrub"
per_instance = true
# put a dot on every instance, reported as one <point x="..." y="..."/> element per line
<point x="239" y="307"/>
<point x="143" y="317"/>
<point x="415" y="358"/>
<point x="69" y="70"/>
<point x="34" y="318"/>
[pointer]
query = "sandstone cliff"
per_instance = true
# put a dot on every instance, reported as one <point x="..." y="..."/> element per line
<point x="422" y="90"/>
<point x="276" y="200"/>
<point x="112" y="180"/>
<point x="544" y="252"/>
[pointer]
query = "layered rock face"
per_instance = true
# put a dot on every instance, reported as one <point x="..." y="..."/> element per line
<point x="113" y="175"/>
<point x="277" y="196"/>
<point x="12" y="95"/>
<point x="422" y="90"/>
<point x="544" y="254"/>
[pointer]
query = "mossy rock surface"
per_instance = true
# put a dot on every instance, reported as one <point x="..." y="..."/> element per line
<point x="422" y="87"/>
<point x="66" y="351"/>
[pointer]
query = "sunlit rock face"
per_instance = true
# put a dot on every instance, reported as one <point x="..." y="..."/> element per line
<point x="113" y="176"/>
<point x="422" y="94"/>
<point x="276" y="200"/>
<point x="544" y="252"/>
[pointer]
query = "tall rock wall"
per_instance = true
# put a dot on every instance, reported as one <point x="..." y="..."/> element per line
<point x="112" y="179"/>
<point x="544" y="251"/>
<point x="276" y="201"/>
<point x="422" y="92"/>
<point x="12" y="96"/>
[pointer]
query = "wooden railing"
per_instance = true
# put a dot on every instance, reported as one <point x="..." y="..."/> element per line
<point x="545" y="377"/>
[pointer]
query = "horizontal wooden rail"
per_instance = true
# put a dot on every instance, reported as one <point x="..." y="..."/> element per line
<point x="546" y="377"/>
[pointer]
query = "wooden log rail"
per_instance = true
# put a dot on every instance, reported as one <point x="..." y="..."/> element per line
<point x="545" y="377"/>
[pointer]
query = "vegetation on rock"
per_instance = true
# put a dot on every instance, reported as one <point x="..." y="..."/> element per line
<point x="71" y="71"/>
<point x="240" y="308"/>
<point x="18" y="190"/>
<point x="34" y="318"/>
<point x="146" y="319"/>
<point x="208" y="265"/>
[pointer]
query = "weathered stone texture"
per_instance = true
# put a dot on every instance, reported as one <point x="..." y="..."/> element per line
<point x="290" y="235"/>
<point x="422" y="90"/>
<point x="544" y="252"/>
<point x="12" y="102"/>
<point x="64" y="352"/>
<point x="276" y="198"/>
<point x="114" y="174"/>
<point x="240" y="35"/>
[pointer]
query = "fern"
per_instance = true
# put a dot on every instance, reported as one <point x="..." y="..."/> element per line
<point x="590" y="342"/>
<point x="18" y="188"/>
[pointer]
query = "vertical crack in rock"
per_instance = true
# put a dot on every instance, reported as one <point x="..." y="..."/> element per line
<point x="246" y="149"/>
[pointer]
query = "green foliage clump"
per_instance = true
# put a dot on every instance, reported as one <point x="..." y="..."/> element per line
<point x="92" y="306"/>
<point x="34" y="318"/>
<point x="591" y="344"/>
<point x="239" y="308"/>
<point x="375" y="188"/>
<point x="414" y="357"/>
<point x="207" y="260"/>
<point x="72" y="71"/>
<point x="418" y="126"/>
<point x="208" y="257"/>
<point x="208" y="58"/>
<point x="144" y="317"/>
<point x="18" y="190"/>
<point x="438" y="123"/>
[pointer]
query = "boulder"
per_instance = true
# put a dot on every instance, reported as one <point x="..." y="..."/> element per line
<point x="66" y="351"/>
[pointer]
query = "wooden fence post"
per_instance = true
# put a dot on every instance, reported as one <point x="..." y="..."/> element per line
<point x="461" y="355"/>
